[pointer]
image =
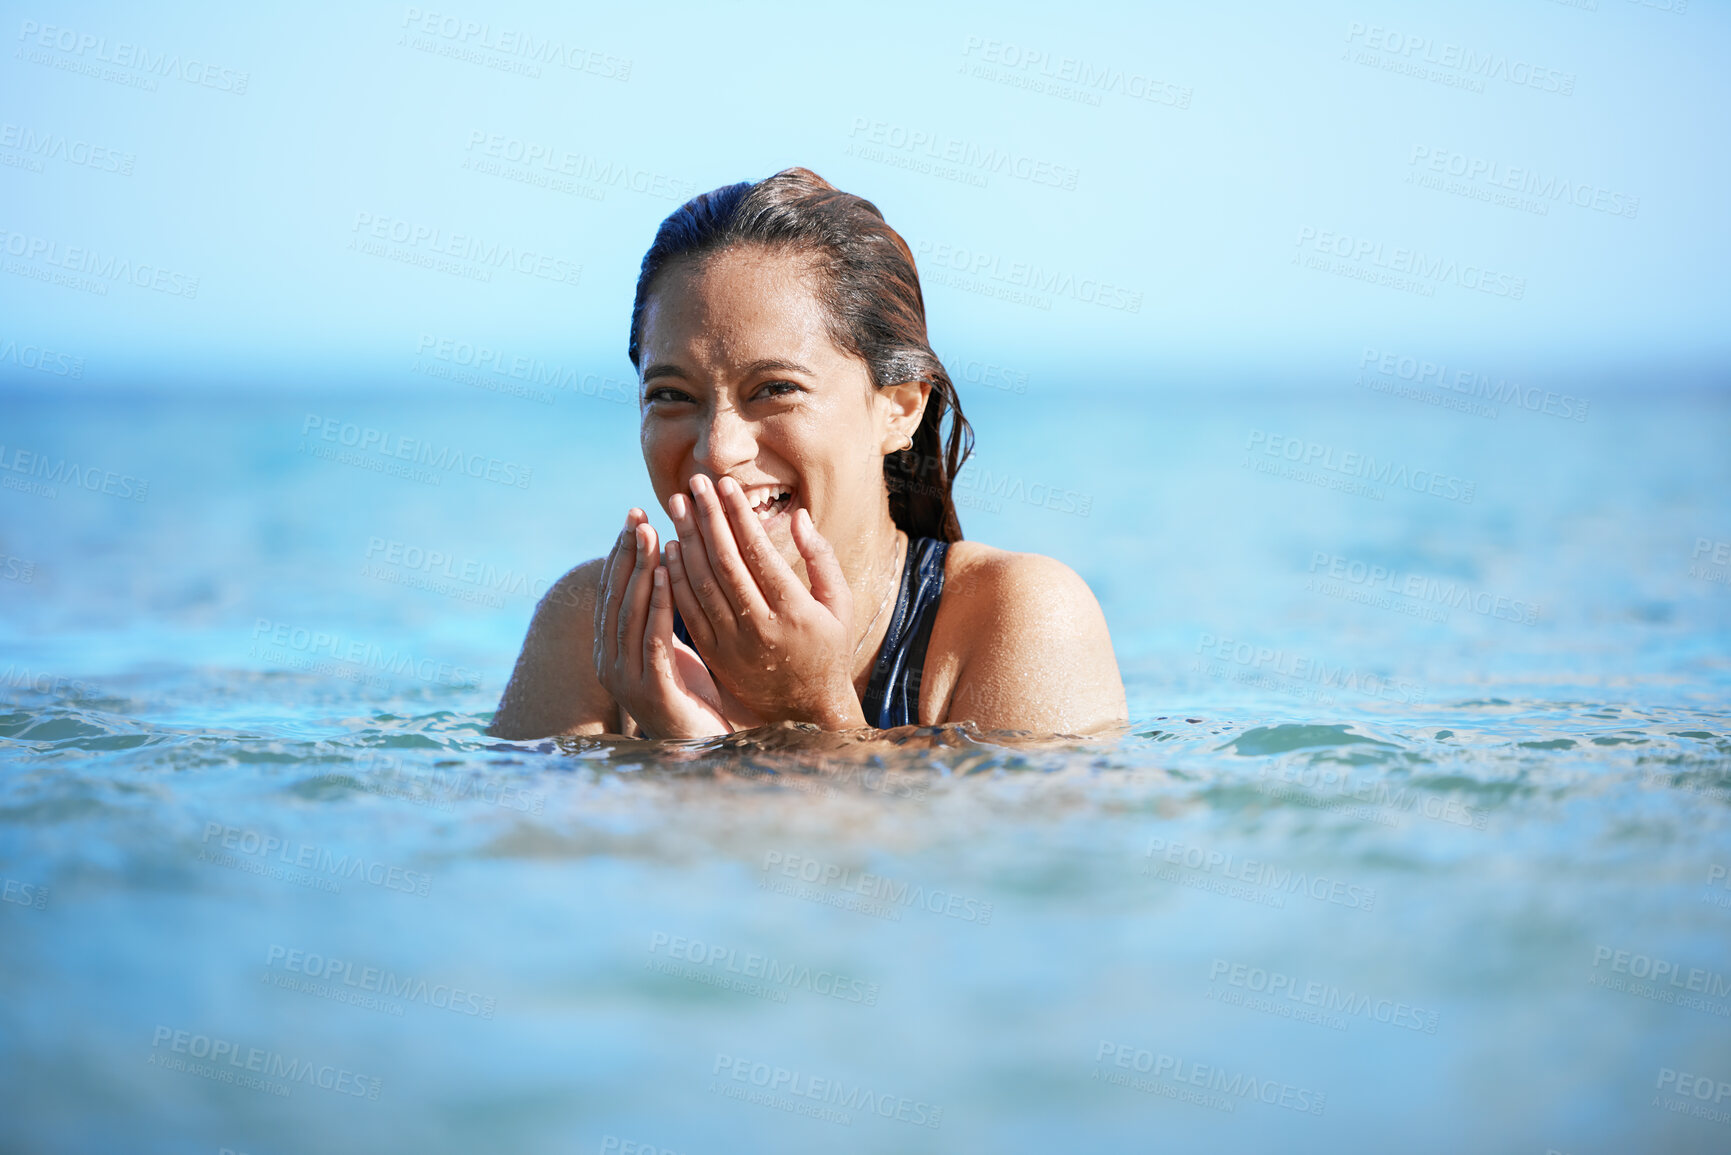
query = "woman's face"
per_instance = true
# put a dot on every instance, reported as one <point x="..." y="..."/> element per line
<point x="741" y="379"/>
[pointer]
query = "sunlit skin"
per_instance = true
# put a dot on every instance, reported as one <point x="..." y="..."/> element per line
<point x="745" y="395"/>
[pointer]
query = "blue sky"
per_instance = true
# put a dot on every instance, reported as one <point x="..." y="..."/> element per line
<point x="1142" y="196"/>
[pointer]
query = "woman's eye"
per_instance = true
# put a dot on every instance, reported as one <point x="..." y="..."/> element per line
<point x="665" y="393"/>
<point x="778" y="389"/>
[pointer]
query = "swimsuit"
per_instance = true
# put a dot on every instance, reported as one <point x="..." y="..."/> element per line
<point x="893" y="695"/>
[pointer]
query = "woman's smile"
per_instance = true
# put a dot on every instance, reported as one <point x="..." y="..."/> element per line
<point x="772" y="503"/>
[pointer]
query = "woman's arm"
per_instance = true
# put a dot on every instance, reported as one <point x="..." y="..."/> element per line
<point x="1040" y="656"/>
<point x="553" y="689"/>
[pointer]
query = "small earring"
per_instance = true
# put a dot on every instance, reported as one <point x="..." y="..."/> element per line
<point x="907" y="443"/>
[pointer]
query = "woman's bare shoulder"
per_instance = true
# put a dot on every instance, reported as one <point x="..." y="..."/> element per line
<point x="987" y="577"/>
<point x="573" y="596"/>
<point x="553" y="689"/>
<point x="1028" y="643"/>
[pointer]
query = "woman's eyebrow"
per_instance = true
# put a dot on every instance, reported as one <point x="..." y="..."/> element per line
<point x="775" y="365"/>
<point x="664" y="369"/>
<point x="762" y="365"/>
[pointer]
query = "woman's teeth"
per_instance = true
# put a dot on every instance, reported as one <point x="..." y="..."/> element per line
<point x="772" y="504"/>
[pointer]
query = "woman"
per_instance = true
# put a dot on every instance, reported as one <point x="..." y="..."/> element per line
<point x="791" y="410"/>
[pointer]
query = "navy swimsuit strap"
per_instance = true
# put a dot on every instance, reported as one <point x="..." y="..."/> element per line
<point x="893" y="695"/>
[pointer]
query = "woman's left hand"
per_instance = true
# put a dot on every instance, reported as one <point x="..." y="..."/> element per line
<point x="781" y="650"/>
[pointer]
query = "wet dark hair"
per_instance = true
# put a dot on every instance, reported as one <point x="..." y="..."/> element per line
<point x="871" y="291"/>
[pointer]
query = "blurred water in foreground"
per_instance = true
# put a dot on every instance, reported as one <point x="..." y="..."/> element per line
<point x="1419" y="840"/>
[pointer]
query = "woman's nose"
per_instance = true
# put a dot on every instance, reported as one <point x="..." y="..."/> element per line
<point x="725" y="441"/>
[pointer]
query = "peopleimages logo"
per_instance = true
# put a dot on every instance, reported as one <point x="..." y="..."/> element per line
<point x="1666" y="971"/>
<point x="325" y="969"/>
<point x="1352" y="468"/>
<point x="1380" y="579"/>
<point x="1275" y="880"/>
<point x="493" y="369"/>
<point x="1700" y="1088"/>
<point x="254" y="1061"/>
<point x="1476" y="170"/>
<point x="1327" y="998"/>
<point x="555" y="161"/>
<point x="441" y="787"/>
<point x="1374" y="261"/>
<point x="316" y="860"/>
<point x="1231" y="1086"/>
<point x="41" y="682"/>
<point x="92" y="270"/>
<point x="1271" y="667"/>
<point x="994" y="489"/>
<point x="1479" y="386"/>
<point x="1066" y="77"/>
<point x="467" y="39"/>
<point x="881" y="892"/>
<point x="778" y="975"/>
<point x="41" y="358"/>
<point x="21" y="893"/>
<point x="979" y="267"/>
<point x="35" y="147"/>
<point x="67" y="473"/>
<point x="832" y="1093"/>
<point x="1373" y="798"/>
<point x="82" y="51"/>
<point x="1404" y="52"/>
<point x="445" y="573"/>
<point x="423" y="245"/>
<point x="929" y="144"/>
<point x="1717" y="567"/>
<point x="282" y="639"/>
<point x="391" y="448"/>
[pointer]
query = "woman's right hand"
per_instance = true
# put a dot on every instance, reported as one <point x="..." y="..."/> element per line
<point x="659" y="680"/>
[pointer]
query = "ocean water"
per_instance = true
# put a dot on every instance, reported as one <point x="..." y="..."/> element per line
<point x="1419" y="838"/>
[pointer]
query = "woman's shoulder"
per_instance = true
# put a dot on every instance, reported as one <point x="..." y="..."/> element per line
<point x="1007" y="603"/>
<point x="568" y="606"/>
<point x="553" y="688"/>
<point x="576" y="590"/>
<point x="1021" y="643"/>
<point x="1005" y="579"/>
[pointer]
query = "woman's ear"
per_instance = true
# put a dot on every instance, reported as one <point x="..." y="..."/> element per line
<point x="901" y="407"/>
